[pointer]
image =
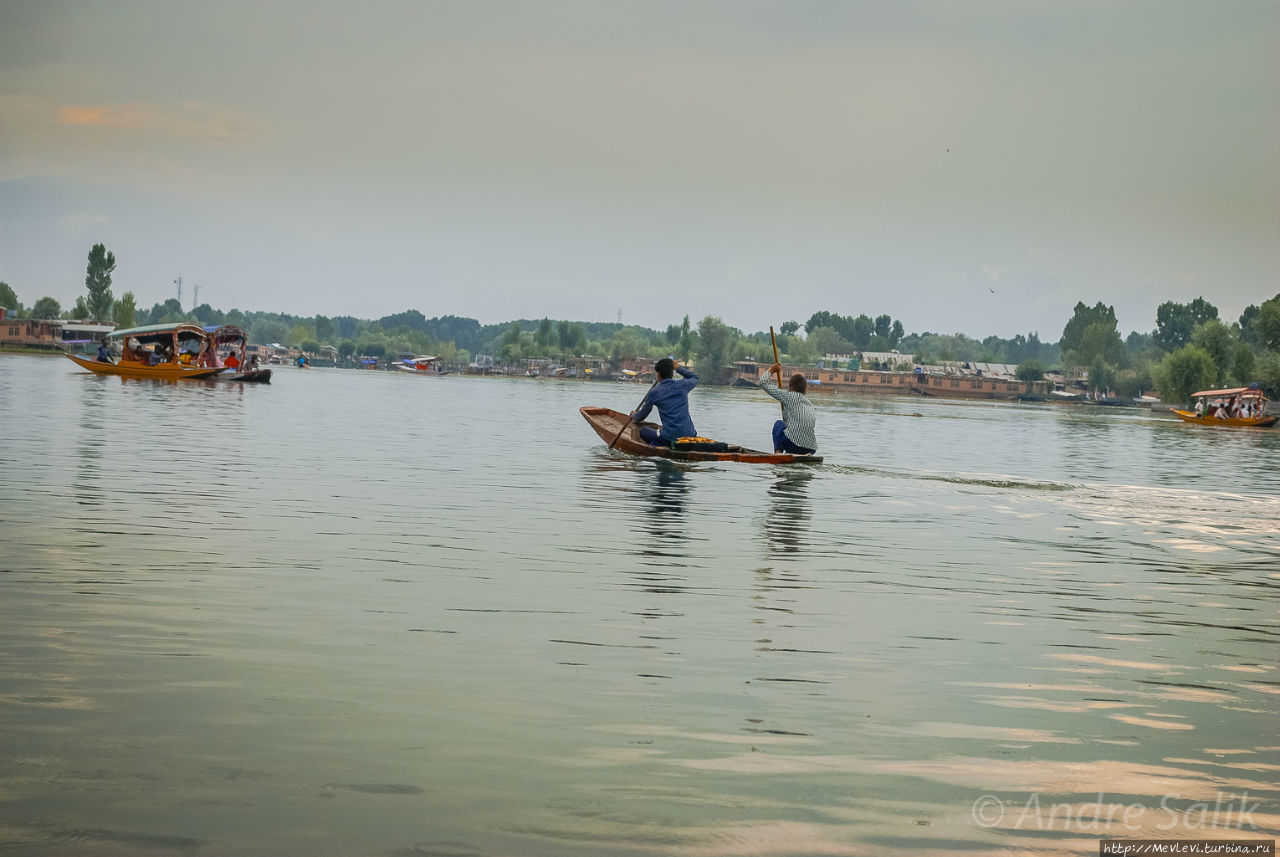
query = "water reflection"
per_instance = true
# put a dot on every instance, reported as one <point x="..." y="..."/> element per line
<point x="790" y="511"/>
<point x="661" y="526"/>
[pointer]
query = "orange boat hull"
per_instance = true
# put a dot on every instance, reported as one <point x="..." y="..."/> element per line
<point x="1230" y="422"/>
<point x="131" y="369"/>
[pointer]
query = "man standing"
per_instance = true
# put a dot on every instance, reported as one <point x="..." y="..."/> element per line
<point x="793" y="433"/>
<point x="671" y="398"/>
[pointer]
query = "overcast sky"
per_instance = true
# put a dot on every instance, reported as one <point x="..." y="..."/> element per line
<point x="963" y="166"/>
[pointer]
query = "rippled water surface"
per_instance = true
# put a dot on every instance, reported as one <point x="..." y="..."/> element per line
<point x="356" y="613"/>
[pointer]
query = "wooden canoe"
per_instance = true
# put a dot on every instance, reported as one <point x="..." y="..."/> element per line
<point x="133" y="369"/>
<point x="258" y="376"/>
<point x="1230" y="422"/>
<point x="607" y="423"/>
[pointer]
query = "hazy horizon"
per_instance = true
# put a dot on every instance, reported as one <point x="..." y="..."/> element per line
<point x="962" y="167"/>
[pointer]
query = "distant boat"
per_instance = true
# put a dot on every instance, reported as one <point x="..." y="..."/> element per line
<point x="621" y="433"/>
<point x="425" y="365"/>
<point x="1065" y="396"/>
<point x="1213" y="402"/>
<point x="167" y="352"/>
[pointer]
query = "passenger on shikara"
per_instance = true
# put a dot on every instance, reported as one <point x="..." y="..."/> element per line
<point x="795" y="432"/>
<point x="671" y="398"/>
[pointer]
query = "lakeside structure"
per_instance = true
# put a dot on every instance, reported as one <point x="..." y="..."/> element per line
<point x="48" y="333"/>
<point x="958" y="380"/>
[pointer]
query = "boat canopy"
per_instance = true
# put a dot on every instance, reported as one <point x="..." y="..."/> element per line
<point x="1234" y="391"/>
<point x="224" y="333"/>
<point x="153" y="329"/>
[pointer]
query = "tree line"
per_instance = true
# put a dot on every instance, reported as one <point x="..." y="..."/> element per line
<point x="1189" y="348"/>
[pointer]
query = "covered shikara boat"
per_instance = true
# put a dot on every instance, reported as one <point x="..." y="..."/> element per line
<point x="425" y="365"/>
<point x="608" y="423"/>
<point x="231" y="340"/>
<point x="1216" y="409"/>
<point x="168" y="352"/>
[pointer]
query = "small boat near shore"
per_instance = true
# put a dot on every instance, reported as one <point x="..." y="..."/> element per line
<point x="1215" y="407"/>
<point x="608" y="423"/>
<point x="424" y="365"/>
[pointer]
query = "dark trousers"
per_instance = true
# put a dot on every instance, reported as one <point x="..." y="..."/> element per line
<point x="651" y="437"/>
<point x="782" y="442"/>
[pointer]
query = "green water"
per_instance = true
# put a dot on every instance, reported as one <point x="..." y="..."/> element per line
<point x="356" y="613"/>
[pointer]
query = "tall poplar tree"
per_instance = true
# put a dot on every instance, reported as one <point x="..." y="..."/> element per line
<point x="97" y="279"/>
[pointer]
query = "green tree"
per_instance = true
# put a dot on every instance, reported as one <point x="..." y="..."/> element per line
<point x="714" y="345"/>
<point x="825" y="340"/>
<point x="788" y="328"/>
<point x="1243" y="365"/>
<point x="1101" y="340"/>
<point x="268" y="331"/>
<point x="80" y="310"/>
<point x="346" y="348"/>
<point x="1266" y="325"/>
<point x="1175" y="322"/>
<point x="310" y="346"/>
<point x="544" y="334"/>
<point x="577" y="340"/>
<point x="46" y="307"/>
<point x="1215" y="339"/>
<point x="799" y="351"/>
<point x="125" y="310"/>
<point x="686" y="344"/>
<point x="862" y="330"/>
<point x="1081" y="319"/>
<point x="9" y="298"/>
<point x="1134" y="382"/>
<point x="97" y="279"/>
<point x="324" y="329"/>
<point x="1101" y="374"/>
<point x="373" y="349"/>
<point x="896" y="333"/>
<point x="1030" y="370"/>
<point x="1183" y="372"/>
<point x="1268" y="374"/>
<point x="299" y="333"/>
<point x="1247" y="318"/>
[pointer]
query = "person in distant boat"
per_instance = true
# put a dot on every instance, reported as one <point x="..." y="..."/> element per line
<point x="795" y="432"/>
<point x="671" y="398"/>
<point x="104" y="353"/>
<point x="232" y="362"/>
<point x="1200" y="407"/>
<point x="252" y="365"/>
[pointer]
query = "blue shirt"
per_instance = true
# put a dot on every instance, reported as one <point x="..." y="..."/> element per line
<point x="671" y="398"/>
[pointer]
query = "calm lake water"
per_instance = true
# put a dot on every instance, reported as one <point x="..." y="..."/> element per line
<point x="357" y="613"/>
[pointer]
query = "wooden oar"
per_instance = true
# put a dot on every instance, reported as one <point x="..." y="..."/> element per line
<point x="625" y="424"/>
<point x="777" y="362"/>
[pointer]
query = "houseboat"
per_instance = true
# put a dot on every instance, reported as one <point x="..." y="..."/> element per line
<point x="947" y="382"/>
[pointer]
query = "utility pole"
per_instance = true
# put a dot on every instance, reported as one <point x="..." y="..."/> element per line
<point x="178" y="282"/>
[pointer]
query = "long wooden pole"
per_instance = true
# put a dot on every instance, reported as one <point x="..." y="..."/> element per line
<point x="777" y="362"/>
<point x="627" y="423"/>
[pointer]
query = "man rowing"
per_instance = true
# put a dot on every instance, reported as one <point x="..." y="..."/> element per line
<point x="793" y="433"/>
<point x="671" y="398"/>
